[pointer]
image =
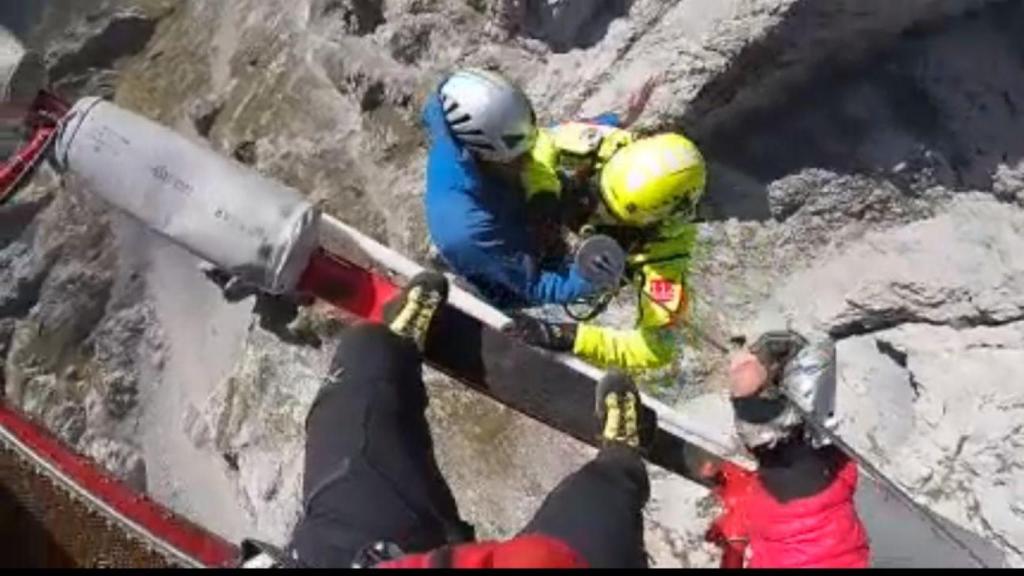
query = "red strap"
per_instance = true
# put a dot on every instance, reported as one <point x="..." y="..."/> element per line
<point x="186" y="537"/>
<point x="43" y="119"/>
<point x="14" y="170"/>
<point x="531" y="551"/>
<point x="729" y="530"/>
<point x="347" y="286"/>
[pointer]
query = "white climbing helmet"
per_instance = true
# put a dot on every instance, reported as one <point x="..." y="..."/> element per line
<point x="489" y="115"/>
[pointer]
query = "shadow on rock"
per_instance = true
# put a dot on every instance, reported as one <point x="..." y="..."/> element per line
<point x="943" y="108"/>
<point x="564" y="26"/>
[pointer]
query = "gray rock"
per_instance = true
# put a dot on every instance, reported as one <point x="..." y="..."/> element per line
<point x="256" y="417"/>
<point x="6" y="333"/>
<point x="21" y="71"/>
<point x="121" y="394"/>
<point x="959" y="268"/>
<point x="196" y="427"/>
<point x="119" y="458"/>
<point x="325" y="95"/>
<point x="823" y="209"/>
<point x="358" y="17"/>
<point x="830" y="200"/>
<point x="493" y="460"/>
<point x="68" y="421"/>
<point x="929" y="319"/>
<point x="770" y="47"/>
<point x="21" y="276"/>
<point x="93" y="42"/>
<point x="38" y="394"/>
<point x="564" y="24"/>
<point x="1008" y="183"/>
<point x="958" y="442"/>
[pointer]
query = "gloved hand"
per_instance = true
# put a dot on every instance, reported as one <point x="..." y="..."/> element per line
<point x="233" y="289"/>
<point x="558" y="337"/>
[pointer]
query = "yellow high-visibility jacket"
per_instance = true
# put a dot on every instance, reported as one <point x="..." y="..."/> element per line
<point x="658" y="265"/>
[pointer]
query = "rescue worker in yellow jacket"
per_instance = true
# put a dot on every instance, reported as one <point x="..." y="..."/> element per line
<point x="640" y="191"/>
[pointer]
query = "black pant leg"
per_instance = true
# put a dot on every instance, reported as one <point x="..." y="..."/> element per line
<point x="598" y="511"/>
<point x="370" y="472"/>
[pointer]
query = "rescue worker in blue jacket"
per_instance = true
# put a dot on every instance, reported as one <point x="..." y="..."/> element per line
<point x="481" y="128"/>
<point x="492" y="219"/>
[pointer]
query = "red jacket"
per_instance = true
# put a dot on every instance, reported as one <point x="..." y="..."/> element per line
<point x="818" y="531"/>
<point x="523" y="552"/>
<point x="822" y="531"/>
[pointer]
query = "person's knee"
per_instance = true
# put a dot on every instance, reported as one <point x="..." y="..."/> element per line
<point x="371" y="365"/>
<point x="371" y="347"/>
<point x="624" y="466"/>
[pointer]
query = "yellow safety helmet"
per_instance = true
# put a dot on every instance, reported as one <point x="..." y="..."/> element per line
<point x="648" y="180"/>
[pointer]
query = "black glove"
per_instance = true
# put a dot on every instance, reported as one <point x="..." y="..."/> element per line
<point x="559" y="337"/>
<point x="232" y="287"/>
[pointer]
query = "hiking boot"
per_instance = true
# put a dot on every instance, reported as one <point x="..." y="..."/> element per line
<point x="410" y="313"/>
<point x="619" y="410"/>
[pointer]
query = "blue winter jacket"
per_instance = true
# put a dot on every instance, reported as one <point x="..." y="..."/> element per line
<point x="479" y="224"/>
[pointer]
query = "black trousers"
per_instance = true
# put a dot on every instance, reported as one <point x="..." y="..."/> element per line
<point x="371" y="476"/>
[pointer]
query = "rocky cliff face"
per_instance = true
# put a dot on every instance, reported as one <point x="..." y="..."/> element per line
<point x="866" y="182"/>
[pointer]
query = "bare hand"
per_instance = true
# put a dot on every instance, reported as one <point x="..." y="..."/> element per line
<point x="747" y="375"/>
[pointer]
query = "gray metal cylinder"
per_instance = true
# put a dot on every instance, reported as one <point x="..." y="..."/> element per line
<point x="253" y="227"/>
